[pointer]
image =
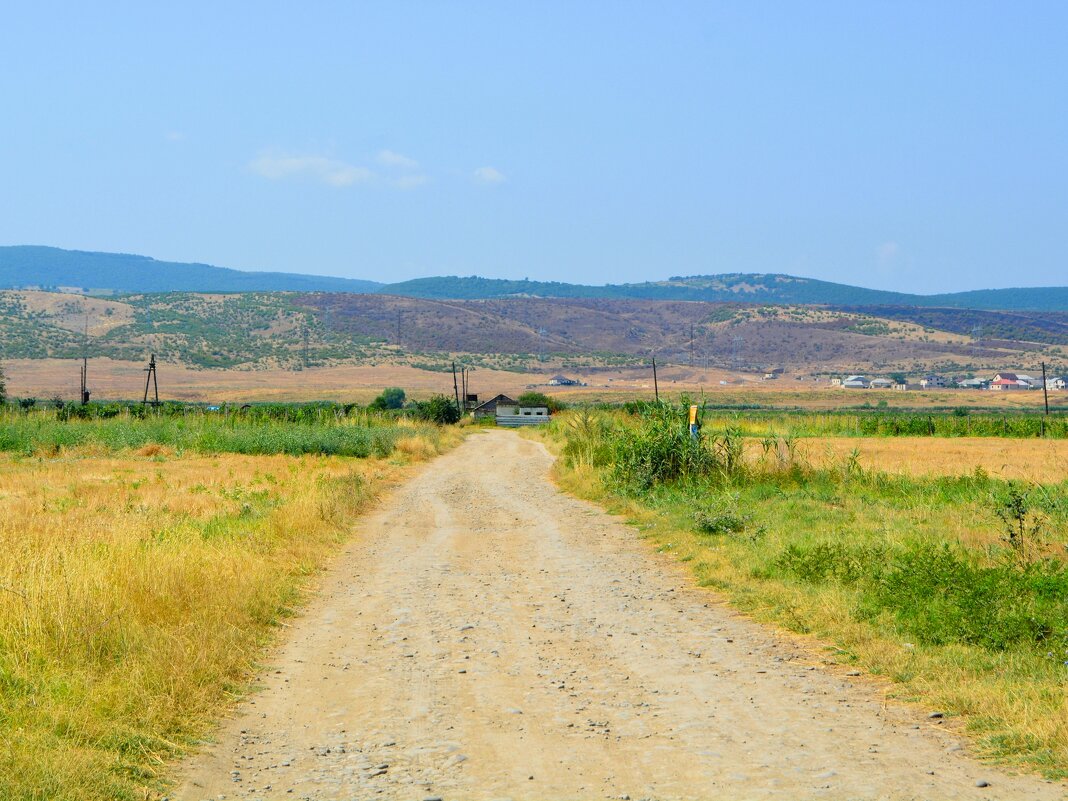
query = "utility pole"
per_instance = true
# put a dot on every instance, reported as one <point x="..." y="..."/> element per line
<point x="151" y="379"/>
<point x="398" y="328"/>
<point x="306" y="336"/>
<point x="691" y="344"/>
<point x="1045" y="389"/>
<point x="455" y="389"/>
<point x="656" y="386"/>
<point x="84" y="394"/>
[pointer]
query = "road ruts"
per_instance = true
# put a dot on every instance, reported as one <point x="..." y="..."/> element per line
<point x="485" y="636"/>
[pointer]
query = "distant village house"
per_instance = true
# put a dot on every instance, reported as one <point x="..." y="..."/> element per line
<point x="1009" y="381"/>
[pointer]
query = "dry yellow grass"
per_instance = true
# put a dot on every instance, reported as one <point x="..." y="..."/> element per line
<point x="1039" y="460"/>
<point x="110" y="379"/>
<point x="136" y="594"/>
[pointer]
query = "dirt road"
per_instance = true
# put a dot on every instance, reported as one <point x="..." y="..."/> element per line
<point x="486" y="637"/>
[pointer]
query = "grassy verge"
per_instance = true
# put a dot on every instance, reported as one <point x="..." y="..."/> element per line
<point x="954" y="588"/>
<point x="941" y="423"/>
<point x="47" y="433"/>
<point x="137" y="591"/>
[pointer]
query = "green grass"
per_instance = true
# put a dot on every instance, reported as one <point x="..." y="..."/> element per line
<point x="204" y="433"/>
<point x="889" y="423"/>
<point x="912" y="578"/>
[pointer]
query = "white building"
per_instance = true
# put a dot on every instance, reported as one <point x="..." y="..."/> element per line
<point x="512" y="415"/>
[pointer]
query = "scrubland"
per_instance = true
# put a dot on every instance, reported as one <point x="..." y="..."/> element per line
<point x="950" y="583"/>
<point x="145" y="565"/>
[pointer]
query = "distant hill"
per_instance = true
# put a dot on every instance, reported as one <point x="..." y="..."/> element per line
<point x="732" y="287"/>
<point x="23" y="266"/>
<point x="758" y="288"/>
<point x="31" y="266"/>
<point x="288" y="330"/>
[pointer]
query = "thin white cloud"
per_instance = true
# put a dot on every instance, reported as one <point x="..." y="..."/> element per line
<point x="280" y="166"/>
<point x="410" y="181"/>
<point x="389" y="158"/>
<point x="174" y="136"/>
<point x="888" y="252"/>
<point x="489" y="175"/>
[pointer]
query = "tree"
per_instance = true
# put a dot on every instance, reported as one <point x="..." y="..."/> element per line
<point x="540" y="399"/>
<point x="391" y="398"/>
<point x="898" y="378"/>
<point x="440" y="409"/>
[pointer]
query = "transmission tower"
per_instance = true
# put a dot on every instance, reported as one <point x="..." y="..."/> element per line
<point x="150" y="379"/>
<point x="736" y="349"/>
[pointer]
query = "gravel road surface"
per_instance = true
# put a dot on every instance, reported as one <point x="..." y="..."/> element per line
<point x="485" y="636"/>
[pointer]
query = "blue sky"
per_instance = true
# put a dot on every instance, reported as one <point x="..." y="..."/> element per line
<point x="913" y="146"/>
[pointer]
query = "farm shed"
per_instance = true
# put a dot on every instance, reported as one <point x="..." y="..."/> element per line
<point x="514" y="415"/>
<point x="563" y="381"/>
<point x="489" y="408"/>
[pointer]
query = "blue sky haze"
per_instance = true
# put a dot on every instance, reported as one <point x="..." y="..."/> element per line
<point x="915" y="146"/>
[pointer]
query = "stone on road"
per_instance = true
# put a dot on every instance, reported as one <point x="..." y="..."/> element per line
<point x="486" y="636"/>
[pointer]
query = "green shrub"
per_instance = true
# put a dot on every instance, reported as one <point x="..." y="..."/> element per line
<point x="941" y="594"/>
<point x="440" y="409"/>
<point x="540" y="399"/>
<point x="391" y="398"/>
<point x="721" y="516"/>
<point x="658" y="450"/>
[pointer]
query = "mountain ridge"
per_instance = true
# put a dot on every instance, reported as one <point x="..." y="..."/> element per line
<point x="27" y="266"/>
<point x="33" y="266"/>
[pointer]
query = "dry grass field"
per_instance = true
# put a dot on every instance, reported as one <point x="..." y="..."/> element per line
<point x="118" y="380"/>
<point x="137" y="591"/>
<point x="1038" y="461"/>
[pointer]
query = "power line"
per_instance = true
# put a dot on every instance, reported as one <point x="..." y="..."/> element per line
<point x="736" y="349"/>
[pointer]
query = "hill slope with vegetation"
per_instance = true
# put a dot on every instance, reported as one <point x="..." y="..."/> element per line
<point x="290" y="331"/>
<point x="27" y="266"/>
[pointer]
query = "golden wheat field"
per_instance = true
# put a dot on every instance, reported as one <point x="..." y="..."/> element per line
<point x="1038" y="460"/>
<point x="136" y="593"/>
